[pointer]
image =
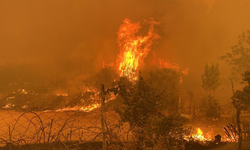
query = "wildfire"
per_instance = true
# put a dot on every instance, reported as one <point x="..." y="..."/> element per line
<point x="161" y="63"/>
<point x="89" y="107"/>
<point x="104" y="64"/>
<point x="62" y="94"/>
<point x="133" y="49"/>
<point x="199" y="136"/>
<point x="80" y="108"/>
<point x="8" y="106"/>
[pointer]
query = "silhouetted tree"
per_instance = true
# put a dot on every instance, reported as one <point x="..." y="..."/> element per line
<point x="211" y="78"/>
<point x="105" y="76"/>
<point x="240" y="102"/>
<point x="167" y="83"/>
<point x="244" y="95"/>
<point x="239" y="57"/>
<point x="141" y="103"/>
<point x="212" y="106"/>
<point x="239" y="60"/>
<point x="191" y="102"/>
<point x="141" y="110"/>
<point x="210" y="82"/>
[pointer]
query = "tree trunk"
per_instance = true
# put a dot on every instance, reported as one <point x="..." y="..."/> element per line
<point x="102" y="117"/>
<point x="238" y="110"/>
<point x="239" y="128"/>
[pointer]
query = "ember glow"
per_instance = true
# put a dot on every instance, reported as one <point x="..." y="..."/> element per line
<point x="133" y="48"/>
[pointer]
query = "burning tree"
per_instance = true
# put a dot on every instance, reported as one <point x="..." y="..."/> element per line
<point x="133" y="48"/>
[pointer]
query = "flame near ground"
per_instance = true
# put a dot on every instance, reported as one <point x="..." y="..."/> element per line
<point x="133" y="49"/>
<point x="202" y="137"/>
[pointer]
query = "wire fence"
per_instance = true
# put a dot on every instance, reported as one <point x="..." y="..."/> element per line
<point x="18" y="127"/>
<point x="36" y="127"/>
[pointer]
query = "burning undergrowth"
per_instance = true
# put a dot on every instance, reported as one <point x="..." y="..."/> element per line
<point x="134" y="41"/>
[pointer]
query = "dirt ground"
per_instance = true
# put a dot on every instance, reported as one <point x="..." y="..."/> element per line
<point x="37" y="127"/>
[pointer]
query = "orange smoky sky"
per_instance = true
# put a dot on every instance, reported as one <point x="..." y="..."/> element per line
<point x="83" y="32"/>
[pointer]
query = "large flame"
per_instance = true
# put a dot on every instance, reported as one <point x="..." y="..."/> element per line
<point x="133" y="48"/>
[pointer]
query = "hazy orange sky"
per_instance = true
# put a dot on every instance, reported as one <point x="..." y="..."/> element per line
<point x="193" y="32"/>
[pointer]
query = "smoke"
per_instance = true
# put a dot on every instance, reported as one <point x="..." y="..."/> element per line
<point x="74" y="37"/>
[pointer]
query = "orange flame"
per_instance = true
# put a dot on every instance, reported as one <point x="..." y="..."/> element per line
<point x="199" y="136"/>
<point x="133" y="48"/>
<point x="104" y="64"/>
<point x="88" y="108"/>
<point x="161" y="63"/>
<point x="80" y="108"/>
